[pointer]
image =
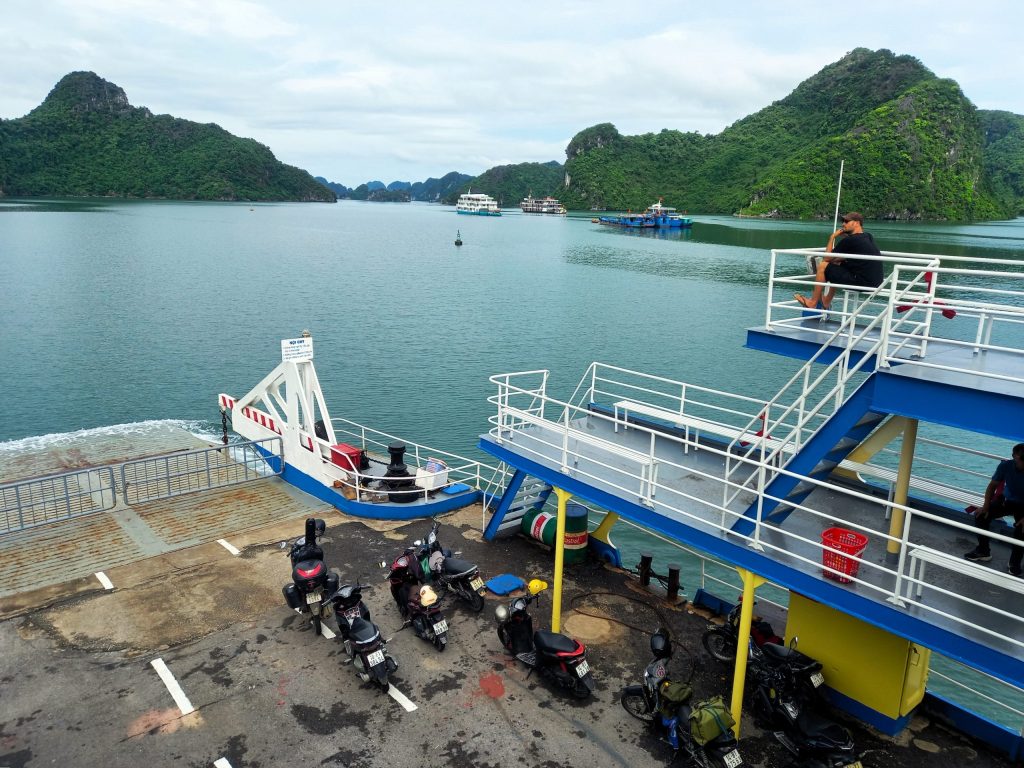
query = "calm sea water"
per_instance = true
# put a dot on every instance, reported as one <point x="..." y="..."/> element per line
<point x="118" y="312"/>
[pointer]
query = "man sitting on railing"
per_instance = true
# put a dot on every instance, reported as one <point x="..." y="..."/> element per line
<point x="859" y="272"/>
<point x="1009" y="474"/>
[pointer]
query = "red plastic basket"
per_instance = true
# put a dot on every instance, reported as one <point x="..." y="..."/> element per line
<point x="837" y="543"/>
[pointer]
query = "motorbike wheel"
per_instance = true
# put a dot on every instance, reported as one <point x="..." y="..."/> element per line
<point x="476" y="601"/>
<point x="720" y="644"/>
<point x="316" y="623"/>
<point x="580" y="690"/>
<point x="634" y="702"/>
<point x="441" y="642"/>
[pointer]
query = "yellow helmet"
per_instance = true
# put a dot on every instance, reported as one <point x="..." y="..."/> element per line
<point x="427" y="596"/>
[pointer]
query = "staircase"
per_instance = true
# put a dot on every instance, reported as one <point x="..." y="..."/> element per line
<point x="819" y="424"/>
<point x="523" y="493"/>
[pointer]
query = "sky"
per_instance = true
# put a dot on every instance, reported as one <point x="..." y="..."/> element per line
<point x="403" y="90"/>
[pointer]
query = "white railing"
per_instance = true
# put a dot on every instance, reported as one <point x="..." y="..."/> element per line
<point x="456" y="469"/>
<point x="565" y="442"/>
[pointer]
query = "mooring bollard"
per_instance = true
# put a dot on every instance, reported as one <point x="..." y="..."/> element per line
<point x="645" y="568"/>
<point x="673" y="581"/>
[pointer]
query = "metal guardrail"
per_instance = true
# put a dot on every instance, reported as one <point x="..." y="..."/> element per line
<point x="58" y="497"/>
<point x="175" y="474"/>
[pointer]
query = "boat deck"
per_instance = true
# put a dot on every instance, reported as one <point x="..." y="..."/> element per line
<point x="686" y="506"/>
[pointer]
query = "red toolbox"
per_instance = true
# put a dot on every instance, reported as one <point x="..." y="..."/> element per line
<point x="345" y="456"/>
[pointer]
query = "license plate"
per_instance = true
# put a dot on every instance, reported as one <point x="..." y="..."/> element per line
<point x="352" y="613"/>
<point x="582" y="668"/>
<point x="441" y="626"/>
<point x="476" y="583"/>
<point x="732" y="759"/>
<point x="817" y="679"/>
<point x="375" y="658"/>
<point x="854" y="765"/>
<point x="313" y="597"/>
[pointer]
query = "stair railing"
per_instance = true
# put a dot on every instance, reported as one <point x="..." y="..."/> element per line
<point x="766" y="448"/>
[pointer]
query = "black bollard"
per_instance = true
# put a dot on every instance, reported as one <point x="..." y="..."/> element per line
<point x="645" y="568"/>
<point x="673" y="581"/>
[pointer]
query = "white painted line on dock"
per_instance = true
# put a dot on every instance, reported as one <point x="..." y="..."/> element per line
<point x="228" y="547"/>
<point x="221" y="762"/>
<point x="172" y="685"/>
<point x="106" y="582"/>
<point x="400" y="697"/>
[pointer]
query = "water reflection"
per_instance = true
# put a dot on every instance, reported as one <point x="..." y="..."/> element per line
<point x="41" y="205"/>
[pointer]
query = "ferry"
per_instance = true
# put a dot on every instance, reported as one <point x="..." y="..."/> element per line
<point x="666" y="217"/>
<point x="142" y="567"/>
<point x="656" y="216"/>
<point x="547" y="205"/>
<point x="477" y="204"/>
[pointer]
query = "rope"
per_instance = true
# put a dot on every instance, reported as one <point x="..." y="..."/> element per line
<point x="661" y="618"/>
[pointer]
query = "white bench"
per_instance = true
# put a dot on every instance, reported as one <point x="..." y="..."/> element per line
<point x="648" y="464"/>
<point x="921" y="556"/>
<point x="686" y="423"/>
<point x="918" y="483"/>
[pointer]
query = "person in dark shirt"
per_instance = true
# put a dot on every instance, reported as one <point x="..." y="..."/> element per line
<point x="863" y="273"/>
<point x="1010" y="475"/>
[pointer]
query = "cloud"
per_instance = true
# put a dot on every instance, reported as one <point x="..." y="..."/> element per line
<point x="358" y="90"/>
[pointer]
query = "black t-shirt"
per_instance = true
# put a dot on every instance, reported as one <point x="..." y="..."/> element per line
<point x="863" y="244"/>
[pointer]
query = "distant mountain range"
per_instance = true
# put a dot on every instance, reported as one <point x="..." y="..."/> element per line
<point x="86" y="139"/>
<point x="914" y="148"/>
<point x="430" y="191"/>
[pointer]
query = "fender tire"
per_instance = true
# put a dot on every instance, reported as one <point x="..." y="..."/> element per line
<point x="720" y="644"/>
<point x="634" y="702"/>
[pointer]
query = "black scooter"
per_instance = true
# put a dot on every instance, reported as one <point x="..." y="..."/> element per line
<point x="669" y="717"/>
<point x="310" y="577"/>
<point x="450" y="573"/>
<point x="721" y="641"/>
<point x="784" y="700"/>
<point x="365" y="646"/>
<point x="557" y="657"/>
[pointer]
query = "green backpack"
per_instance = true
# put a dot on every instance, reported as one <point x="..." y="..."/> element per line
<point x="710" y="719"/>
<point x="671" y="695"/>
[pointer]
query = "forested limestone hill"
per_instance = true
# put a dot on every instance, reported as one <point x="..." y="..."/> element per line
<point x="86" y="139"/>
<point x="914" y="148"/>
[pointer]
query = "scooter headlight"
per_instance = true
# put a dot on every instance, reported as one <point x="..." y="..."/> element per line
<point x="501" y="614"/>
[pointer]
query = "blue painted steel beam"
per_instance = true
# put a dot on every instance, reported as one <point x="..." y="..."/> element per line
<point x="990" y="413"/>
<point x="799" y="349"/>
<point x="506" y="501"/>
<point x="842" y="598"/>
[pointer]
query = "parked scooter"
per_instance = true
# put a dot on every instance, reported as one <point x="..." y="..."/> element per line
<point x="405" y="574"/>
<point x="446" y="573"/>
<point x="784" y="700"/>
<point x="721" y="641"/>
<point x="556" y="656"/>
<point x="310" y="577"/>
<point x="662" y="704"/>
<point x="365" y="646"/>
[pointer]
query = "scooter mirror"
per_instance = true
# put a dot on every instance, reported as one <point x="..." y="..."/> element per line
<point x="321" y="526"/>
<point x="382" y="564"/>
<point x="418" y="543"/>
<point x="536" y="586"/>
<point x="793" y="642"/>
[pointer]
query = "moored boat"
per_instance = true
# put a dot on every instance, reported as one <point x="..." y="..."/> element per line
<point x="664" y="216"/>
<point x="634" y="220"/>
<point x="547" y="205"/>
<point x="477" y="204"/>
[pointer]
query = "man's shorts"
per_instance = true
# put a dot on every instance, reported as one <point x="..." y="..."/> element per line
<point x="840" y="274"/>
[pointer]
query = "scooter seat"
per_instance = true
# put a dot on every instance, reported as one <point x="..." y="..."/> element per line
<point x="453" y="566"/>
<point x="780" y="653"/>
<point x="553" y="642"/>
<point x="820" y="728"/>
<point x="363" y="631"/>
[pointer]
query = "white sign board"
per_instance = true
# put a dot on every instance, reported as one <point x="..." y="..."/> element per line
<point x="297" y="349"/>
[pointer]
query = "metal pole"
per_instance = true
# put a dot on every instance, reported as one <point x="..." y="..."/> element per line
<point x="894" y="548"/>
<point x="556" y="600"/>
<point x="839" y="191"/>
<point x="751" y="581"/>
<point x="673" y="582"/>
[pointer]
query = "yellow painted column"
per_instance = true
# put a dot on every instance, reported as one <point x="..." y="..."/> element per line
<point x="900" y="490"/>
<point x="604" y="528"/>
<point x="556" y="599"/>
<point x="876" y="441"/>
<point x="751" y="581"/>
